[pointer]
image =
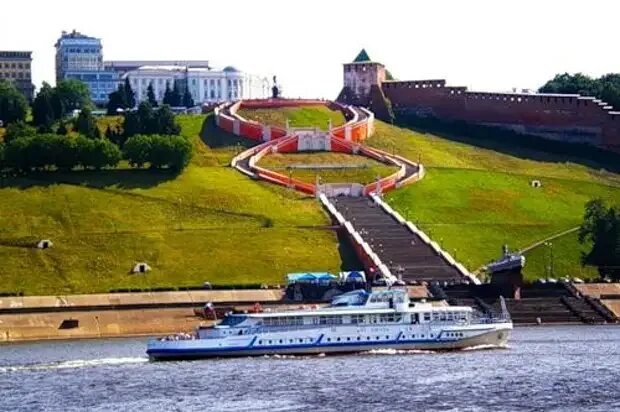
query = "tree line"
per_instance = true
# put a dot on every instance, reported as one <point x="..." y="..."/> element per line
<point x="146" y="136"/>
<point x="124" y="98"/>
<point x="606" y="88"/>
<point x="48" y="151"/>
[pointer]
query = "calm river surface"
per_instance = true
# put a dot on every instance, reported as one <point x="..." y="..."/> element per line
<point x="572" y="368"/>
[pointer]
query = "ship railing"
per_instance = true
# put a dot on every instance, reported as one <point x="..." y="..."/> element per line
<point x="492" y="318"/>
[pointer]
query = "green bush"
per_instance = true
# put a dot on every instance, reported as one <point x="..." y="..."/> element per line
<point x="97" y="153"/>
<point x="44" y="151"/>
<point x="149" y="121"/>
<point x="18" y="129"/>
<point x="172" y="152"/>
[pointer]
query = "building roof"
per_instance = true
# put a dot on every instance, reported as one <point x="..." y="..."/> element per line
<point x="133" y="64"/>
<point x="11" y="54"/>
<point x="362" y="57"/>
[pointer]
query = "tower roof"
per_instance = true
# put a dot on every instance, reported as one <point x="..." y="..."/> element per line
<point x="362" y="57"/>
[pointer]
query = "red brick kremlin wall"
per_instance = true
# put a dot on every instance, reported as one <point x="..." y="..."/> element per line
<point x="564" y="117"/>
<point x="571" y="118"/>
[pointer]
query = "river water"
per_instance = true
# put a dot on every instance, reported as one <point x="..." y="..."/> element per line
<point x="564" y="368"/>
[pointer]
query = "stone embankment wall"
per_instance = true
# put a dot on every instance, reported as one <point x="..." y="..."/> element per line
<point x="116" y="314"/>
<point x="608" y="293"/>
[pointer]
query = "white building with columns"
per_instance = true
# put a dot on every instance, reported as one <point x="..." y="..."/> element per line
<point x="204" y="84"/>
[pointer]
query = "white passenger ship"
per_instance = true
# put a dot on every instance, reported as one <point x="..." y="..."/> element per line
<point x="355" y="321"/>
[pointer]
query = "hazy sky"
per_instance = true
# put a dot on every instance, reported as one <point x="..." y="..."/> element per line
<point x="486" y="45"/>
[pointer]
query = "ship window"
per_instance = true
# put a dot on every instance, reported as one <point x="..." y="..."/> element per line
<point x="442" y="316"/>
<point x="270" y="342"/>
<point x="432" y="335"/>
<point x="338" y="339"/>
<point x="450" y="316"/>
<point x="280" y="340"/>
<point x="387" y="337"/>
<point x="422" y="335"/>
<point x="378" y="338"/>
<point x="348" y="339"/>
<point x="301" y="340"/>
<point x="427" y="317"/>
<point x="260" y="342"/>
<point x="367" y="337"/>
<point x="329" y="339"/>
<point x="359" y="338"/>
<point x="355" y="319"/>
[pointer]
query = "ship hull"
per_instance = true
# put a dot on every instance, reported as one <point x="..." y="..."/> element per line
<point x="495" y="335"/>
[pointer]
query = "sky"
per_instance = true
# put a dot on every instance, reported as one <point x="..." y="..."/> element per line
<point x="487" y="45"/>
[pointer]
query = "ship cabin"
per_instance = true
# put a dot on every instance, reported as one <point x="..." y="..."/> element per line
<point x="357" y="308"/>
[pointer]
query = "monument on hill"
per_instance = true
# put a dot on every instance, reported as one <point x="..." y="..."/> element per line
<point x="275" y="90"/>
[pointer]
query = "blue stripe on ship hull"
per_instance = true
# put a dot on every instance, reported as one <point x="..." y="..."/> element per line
<point x="198" y="351"/>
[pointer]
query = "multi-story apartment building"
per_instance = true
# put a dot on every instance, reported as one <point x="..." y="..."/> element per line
<point x="16" y="67"/>
<point x="80" y="57"/>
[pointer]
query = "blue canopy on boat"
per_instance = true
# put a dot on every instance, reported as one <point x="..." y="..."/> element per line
<point x="353" y="276"/>
<point x="310" y="277"/>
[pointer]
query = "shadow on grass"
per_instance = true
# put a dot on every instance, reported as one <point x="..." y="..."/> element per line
<point x="216" y="138"/>
<point x="117" y="178"/>
<point x="511" y="143"/>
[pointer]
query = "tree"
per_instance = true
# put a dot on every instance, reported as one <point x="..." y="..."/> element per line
<point x="130" y="96"/>
<point x="43" y="114"/>
<point x="117" y="100"/>
<point x="66" y="153"/>
<point x="86" y="124"/>
<point x="168" y="96"/>
<point x="166" y="123"/>
<point x="177" y="97"/>
<point x="150" y="95"/>
<point x="601" y="228"/>
<point x="137" y="150"/>
<point x="97" y="153"/>
<point x="188" y="100"/>
<point x="73" y="94"/>
<point x="179" y="152"/>
<point x="606" y="88"/>
<point x="147" y="120"/>
<point x="18" y="129"/>
<point x="172" y="152"/>
<point x="148" y="124"/>
<point x="13" y="104"/>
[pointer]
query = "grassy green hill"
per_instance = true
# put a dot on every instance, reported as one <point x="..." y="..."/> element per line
<point x="211" y="223"/>
<point x="309" y="116"/>
<point x="473" y="200"/>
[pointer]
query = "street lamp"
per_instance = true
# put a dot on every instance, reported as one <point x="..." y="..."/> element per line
<point x="549" y="246"/>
